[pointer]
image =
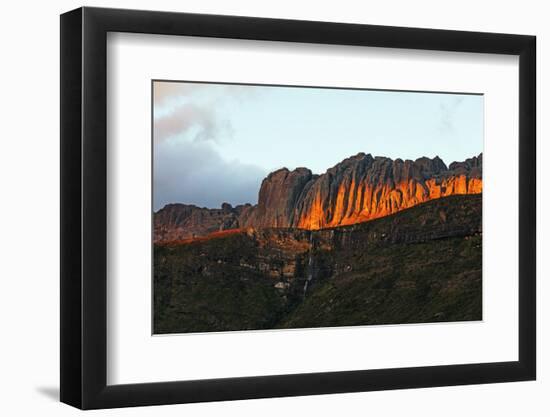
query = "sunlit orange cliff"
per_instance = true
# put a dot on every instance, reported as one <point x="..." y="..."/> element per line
<point x="358" y="189"/>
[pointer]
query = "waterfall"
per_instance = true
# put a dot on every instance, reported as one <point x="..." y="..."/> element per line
<point x="309" y="275"/>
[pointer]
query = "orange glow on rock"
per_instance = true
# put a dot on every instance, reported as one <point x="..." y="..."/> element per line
<point x="355" y="203"/>
<point x="213" y="235"/>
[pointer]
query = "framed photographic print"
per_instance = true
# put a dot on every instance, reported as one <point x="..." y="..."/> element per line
<point x="258" y="207"/>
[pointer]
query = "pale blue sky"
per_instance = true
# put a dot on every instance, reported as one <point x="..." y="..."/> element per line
<point x="216" y="142"/>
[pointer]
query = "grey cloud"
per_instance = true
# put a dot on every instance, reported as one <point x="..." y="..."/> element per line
<point x="163" y="90"/>
<point x="186" y="114"/>
<point x="194" y="173"/>
<point x="186" y="117"/>
<point x="168" y="90"/>
<point x="188" y="169"/>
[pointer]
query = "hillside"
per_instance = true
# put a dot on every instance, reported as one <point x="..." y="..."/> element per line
<point x="421" y="264"/>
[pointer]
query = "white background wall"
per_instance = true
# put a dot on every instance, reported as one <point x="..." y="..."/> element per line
<point x="29" y="237"/>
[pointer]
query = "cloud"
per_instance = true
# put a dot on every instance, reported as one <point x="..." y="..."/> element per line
<point x="169" y="93"/>
<point x="201" y="122"/>
<point x="165" y="91"/>
<point x="183" y="108"/>
<point x="188" y="126"/>
<point x="448" y="110"/>
<point x="194" y="173"/>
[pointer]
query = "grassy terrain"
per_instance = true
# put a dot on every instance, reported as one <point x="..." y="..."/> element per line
<point x="203" y="287"/>
<point x="405" y="283"/>
<point x="419" y="265"/>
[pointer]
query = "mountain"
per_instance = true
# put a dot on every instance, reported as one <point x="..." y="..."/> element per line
<point x="184" y="221"/>
<point x="358" y="189"/>
<point x="421" y="264"/>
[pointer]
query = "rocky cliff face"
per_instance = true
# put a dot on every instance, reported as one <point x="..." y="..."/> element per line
<point x="183" y="221"/>
<point x="358" y="189"/>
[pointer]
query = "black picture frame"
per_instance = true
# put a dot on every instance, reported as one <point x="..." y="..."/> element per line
<point x="84" y="207"/>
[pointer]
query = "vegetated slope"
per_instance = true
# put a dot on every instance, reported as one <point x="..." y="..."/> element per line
<point x="422" y="264"/>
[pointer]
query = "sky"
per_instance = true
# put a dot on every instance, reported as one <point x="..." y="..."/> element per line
<point x="214" y="143"/>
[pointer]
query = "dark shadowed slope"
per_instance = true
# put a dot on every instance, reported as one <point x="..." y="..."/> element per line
<point x="421" y="264"/>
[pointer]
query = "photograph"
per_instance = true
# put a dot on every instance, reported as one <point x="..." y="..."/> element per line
<point x="280" y="205"/>
<point x="291" y="207"/>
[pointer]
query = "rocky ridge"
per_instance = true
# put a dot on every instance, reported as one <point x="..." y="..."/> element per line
<point x="358" y="189"/>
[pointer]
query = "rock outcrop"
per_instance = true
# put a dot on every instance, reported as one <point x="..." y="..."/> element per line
<point x="356" y="190"/>
<point x="184" y="221"/>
